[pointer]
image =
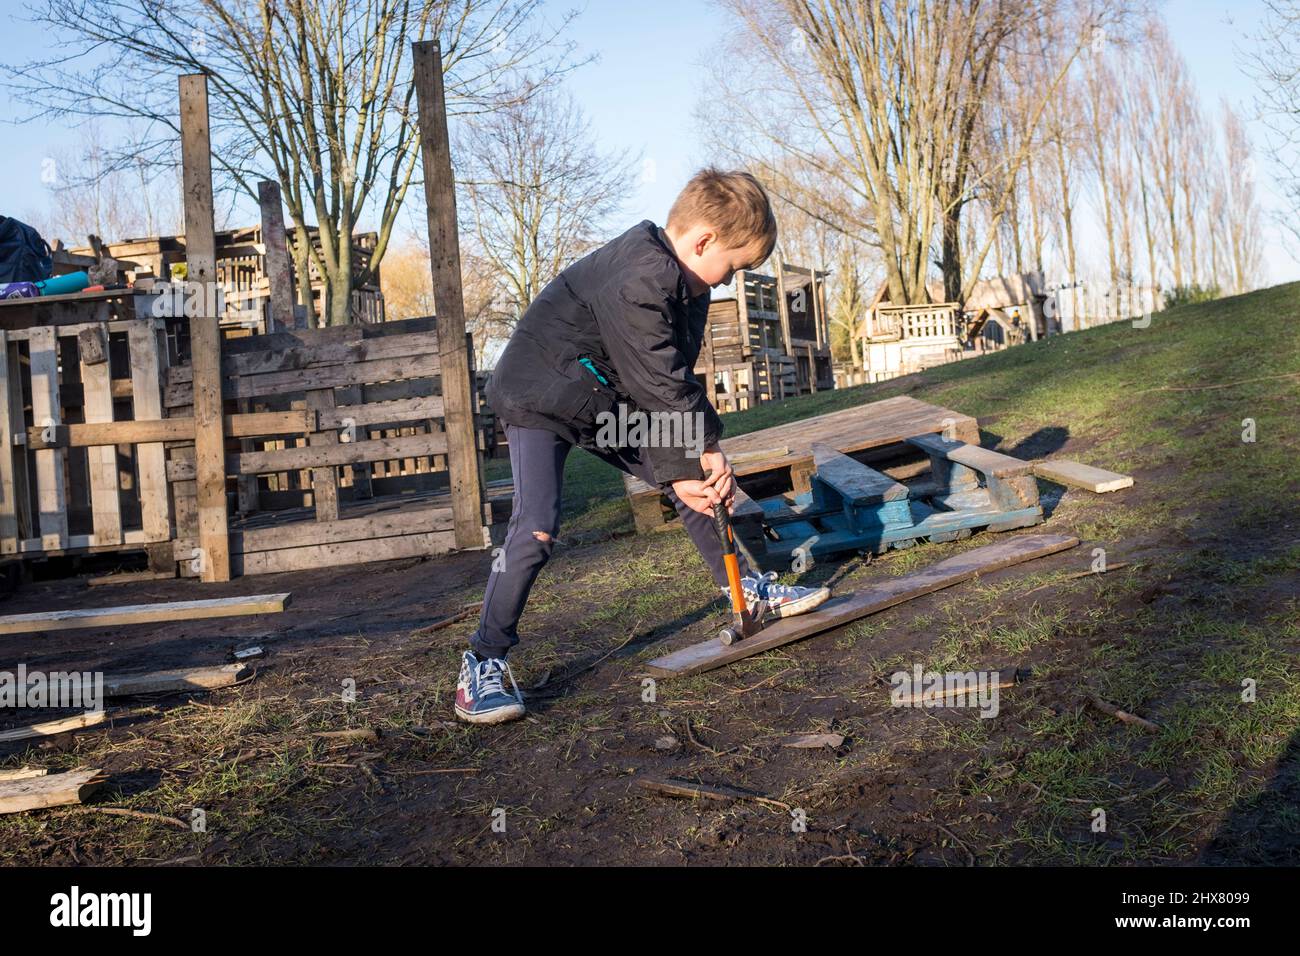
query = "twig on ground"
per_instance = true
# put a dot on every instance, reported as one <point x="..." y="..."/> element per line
<point x="1106" y="707"/>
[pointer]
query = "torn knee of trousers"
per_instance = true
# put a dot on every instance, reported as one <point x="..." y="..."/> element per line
<point x="548" y="540"/>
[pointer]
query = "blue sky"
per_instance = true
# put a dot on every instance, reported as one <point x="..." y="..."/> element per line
<point x="641" y="93"/>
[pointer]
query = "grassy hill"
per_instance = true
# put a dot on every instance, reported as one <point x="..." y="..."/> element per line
<point x="1211" y="533"/>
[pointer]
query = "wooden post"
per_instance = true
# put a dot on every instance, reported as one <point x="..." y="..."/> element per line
<point x="710" y="384"/>
<point x="205" y="333"/>
<point x="47" y="410"/>
<point x="146" y="405"/>
<point x="96" y="384"/>
<point x="279" y="277"/>
<point x="324" y="480"/>
<point x="463" y="462"/>
<point x="782" y="309"/>
<point x="742" y="314"/>
<point x="823" y="337"/>
<point x="9" y="533"/>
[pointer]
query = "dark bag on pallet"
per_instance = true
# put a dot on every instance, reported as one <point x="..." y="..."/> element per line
<point x="24" y="255"/>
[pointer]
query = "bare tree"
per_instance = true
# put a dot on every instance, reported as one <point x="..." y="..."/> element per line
<point x="540" y="195"/>
<point x="316" y="91"/>
<point x="887" y="99"/>
<point x="1241" y="208"/>
<point x="1275" y="64"/>
<point x="88" y="193"/>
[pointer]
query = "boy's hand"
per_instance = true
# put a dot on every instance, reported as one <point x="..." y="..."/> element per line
<point x="697" y="495"/>
<point x="719" y="486"/>
<point x="720" y="473"/>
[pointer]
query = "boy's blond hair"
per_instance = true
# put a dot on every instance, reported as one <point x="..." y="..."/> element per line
<point x="732" y="202"/>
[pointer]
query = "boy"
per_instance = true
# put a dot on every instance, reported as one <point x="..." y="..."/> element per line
<point x="619" y="329"/>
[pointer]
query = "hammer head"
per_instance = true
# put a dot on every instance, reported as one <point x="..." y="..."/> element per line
<point x="750" y="621"/>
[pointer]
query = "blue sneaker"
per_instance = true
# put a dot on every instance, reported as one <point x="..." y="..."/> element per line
<point x="783" y="600"/>
<point x="481" y="696"/>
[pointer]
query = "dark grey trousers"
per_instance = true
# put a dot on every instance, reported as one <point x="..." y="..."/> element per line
<point x="537" y="463"/>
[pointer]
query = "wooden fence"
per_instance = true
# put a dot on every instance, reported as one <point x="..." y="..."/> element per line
<point x="336" y="446"/>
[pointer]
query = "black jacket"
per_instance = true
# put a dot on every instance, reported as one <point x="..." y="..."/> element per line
<point x="626" y="308"/>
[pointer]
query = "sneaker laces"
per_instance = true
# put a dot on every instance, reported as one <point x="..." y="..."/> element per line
<point x="490" y="674"/>
<point x="766" y="586"/>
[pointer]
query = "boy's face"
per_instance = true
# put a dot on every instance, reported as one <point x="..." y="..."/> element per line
<point x="707" y="262"/>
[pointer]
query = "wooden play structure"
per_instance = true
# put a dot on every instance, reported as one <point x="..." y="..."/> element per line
<point x="899" y="339"/>
<point x="220" y="452"/>
<point x="769" y="342"/>
<point x="243" y="271"/>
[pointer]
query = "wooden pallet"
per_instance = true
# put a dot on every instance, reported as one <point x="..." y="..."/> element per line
<point x="852" y="430"/>
<point x="853" y="507"/>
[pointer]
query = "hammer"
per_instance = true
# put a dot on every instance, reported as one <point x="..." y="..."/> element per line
<point x="744" y="623"/>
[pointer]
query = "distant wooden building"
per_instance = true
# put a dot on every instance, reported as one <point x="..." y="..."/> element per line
<point x="241" y="268"/>
<point x="769" y="341"/>
<point x="998" y="313"/>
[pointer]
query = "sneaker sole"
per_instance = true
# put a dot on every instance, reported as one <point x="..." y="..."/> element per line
<point x="498" y="716"/>
<point x="804" y="604"/>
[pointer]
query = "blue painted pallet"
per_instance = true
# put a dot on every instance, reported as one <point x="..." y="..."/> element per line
<point x="852" y="508"/>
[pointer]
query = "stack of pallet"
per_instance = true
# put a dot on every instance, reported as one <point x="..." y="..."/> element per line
<point x="854" y="508"/>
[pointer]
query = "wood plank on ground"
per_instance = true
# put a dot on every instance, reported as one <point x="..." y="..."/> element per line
<point x="42" y="621"/>
<point x="22" y="773"/>
<point x="1079" y="475"/>
<point x="51" y="790"/>
<point x="48" y="728"/>
<point x="171" y="681"/>
<point x="877" y="596"/>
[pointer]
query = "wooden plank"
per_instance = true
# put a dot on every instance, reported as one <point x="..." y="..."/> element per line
<point x="984" y="460"/>
<point x="51" y="790"/>
<point x="19" y="458"/>
<point x="384" y="524"/>
<point x="463" y="460"/>
<point x="90" y="435"/>
<point x="9" y="532"/>
<point x="205" y="334"/>
<point x="131" y="577"/>
<point x="346" y="453"/>
<point x="105" y="500"/>
<point x="878" y="596"/>
<point x="22" y="773"/>
<point x="171" y="681"/>
<point x="325" y="376"/>
<point x="324" y="478"/>
<point x="44" y="621"/>
<point x="275" y="260"/>
<point x="349" y="552"/>
<point x="48" y="728"/>
<point x="854" y="481"/>
<point x="46" y="411"/>
<point x="255" y="424"/>
<point x="300" y="356"/>
<point x="382" y="413"/>
<point x="1079" y="475"/>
